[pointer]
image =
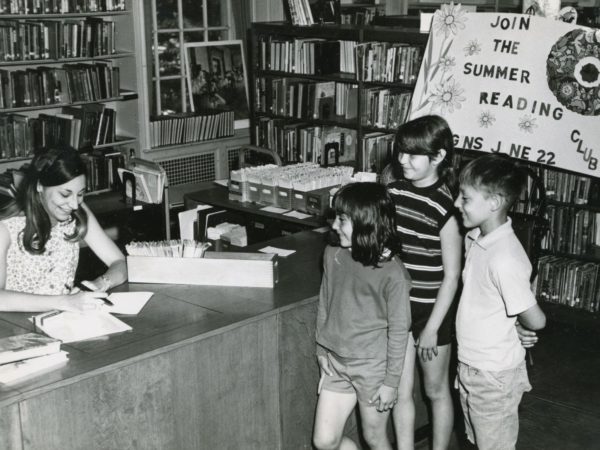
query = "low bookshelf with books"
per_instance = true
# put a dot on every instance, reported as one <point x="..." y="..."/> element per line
<point x="331" y="94"/>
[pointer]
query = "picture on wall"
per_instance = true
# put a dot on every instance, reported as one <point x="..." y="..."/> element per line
<point x="216" y="78"/>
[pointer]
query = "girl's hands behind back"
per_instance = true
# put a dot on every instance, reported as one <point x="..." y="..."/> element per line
<point x="426" y="345"/>
<point x="83" y="302"/>
<point x="324" y="365"/>
<point x="385" y="398"/>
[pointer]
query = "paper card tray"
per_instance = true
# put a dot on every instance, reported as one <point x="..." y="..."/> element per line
<point x="216" y="269"/>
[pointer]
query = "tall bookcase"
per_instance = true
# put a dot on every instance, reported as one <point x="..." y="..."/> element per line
<point x="339" y="89"/>
<point x="60" y="58"/>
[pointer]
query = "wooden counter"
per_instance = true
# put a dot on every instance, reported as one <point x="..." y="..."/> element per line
<point x="203" y="368"/>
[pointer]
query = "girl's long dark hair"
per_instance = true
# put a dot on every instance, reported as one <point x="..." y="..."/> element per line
<point x="48" y="168"/>
<point x="373" y="215"/>
<point x="426" y="135"/>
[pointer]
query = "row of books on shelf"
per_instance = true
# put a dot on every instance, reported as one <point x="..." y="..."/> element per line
<point x="51" y="85"/>
<point x="363" y="15"/>
<point x="79" y="127"/>
<point x="327" y="100"/>
<point x="102" y="169"/>
<point x="56" y="39"/>
<point x="369" y="61"/>
<point x="385" y="108"/>
<point x="300" y="142"/>
<point x="185" y="128"/>
<point x="572" y="230"/>
<point x="328" y="145"/>
<point x="59" y="6"/>
<point x="306" y="99"/>
<point x="571" y="188"/>
<point x="300" y="12"/>
<point x="567" y="282"/>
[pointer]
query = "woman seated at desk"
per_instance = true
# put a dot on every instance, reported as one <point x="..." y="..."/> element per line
<point x="40" y="232"/>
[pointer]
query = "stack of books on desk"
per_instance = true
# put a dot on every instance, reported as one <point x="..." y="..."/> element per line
<point x="27" y="354"/>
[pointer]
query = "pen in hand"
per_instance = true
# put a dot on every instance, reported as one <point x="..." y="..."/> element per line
<point x="84" y="287"/>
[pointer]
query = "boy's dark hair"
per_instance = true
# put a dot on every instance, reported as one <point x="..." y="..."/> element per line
<point x="496" y="173"/>
<point x="373" y="215"/>
<point x="426" y="135"/>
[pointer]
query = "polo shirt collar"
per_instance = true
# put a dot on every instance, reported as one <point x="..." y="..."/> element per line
<point x="489" y="239"/>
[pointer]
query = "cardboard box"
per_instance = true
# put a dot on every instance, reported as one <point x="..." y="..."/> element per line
<point x="215" y="269"/>
<point x="283" y="197"/>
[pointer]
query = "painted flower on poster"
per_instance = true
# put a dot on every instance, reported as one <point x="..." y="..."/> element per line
<point x="472" y="48"/>
<point x="527" y="123"/>
<point x="447" y="97"/>
<point x="486" y="119"/>
<point x="573" y="70"/>
<point x="449" y="19"/>
<point x="446" y="63"/>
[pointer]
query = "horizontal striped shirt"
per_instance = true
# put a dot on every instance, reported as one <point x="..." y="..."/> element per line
<point x="420" y="214"/>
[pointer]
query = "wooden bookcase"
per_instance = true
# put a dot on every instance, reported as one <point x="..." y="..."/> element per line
<point x="74" y="45"/>
<point x="283" y="103"/>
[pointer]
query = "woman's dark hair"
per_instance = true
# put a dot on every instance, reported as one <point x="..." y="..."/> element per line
<point x="373" y="215"/>
<point x="426" y="135"/>
<point x="48" y="168"/>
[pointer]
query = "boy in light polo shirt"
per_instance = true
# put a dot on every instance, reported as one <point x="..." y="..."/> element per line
<point x="492" y="375"/>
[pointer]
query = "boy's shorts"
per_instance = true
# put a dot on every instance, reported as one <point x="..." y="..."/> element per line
<point x="490" y="404"/>
<point x="420" y="313"/>
<point x="352" y="375"/>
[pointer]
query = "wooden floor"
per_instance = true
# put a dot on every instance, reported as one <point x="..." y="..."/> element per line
<point x="562" y="412"/>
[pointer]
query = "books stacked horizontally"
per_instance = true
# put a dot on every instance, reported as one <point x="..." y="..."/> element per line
<point x="27" y="354"/>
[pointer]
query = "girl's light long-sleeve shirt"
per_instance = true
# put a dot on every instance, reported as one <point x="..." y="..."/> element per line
<point x="364" y="312"/>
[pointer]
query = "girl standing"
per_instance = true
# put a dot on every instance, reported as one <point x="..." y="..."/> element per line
<point x="363" y="319"/>
<point x="431" y="251"/>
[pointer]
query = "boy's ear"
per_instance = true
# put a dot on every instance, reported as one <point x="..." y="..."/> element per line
<point x="441" y="154"/>
<point x="496" y="201"/>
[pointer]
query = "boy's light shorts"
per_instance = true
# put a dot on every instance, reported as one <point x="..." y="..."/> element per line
<point x="350" y="375"/>
<point x="490" y="403"/>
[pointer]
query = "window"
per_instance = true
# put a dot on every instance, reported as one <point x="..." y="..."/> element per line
<point x="170" y="24"/>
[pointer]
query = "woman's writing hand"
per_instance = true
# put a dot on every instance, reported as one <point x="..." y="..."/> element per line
<point x="427" y="345"/>
<point x="82" y="301"/>
<point x="385" y="398"/>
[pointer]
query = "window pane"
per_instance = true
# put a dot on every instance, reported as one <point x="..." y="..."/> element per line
<point x="193" y="36"/>
<point x="216" y="13"/>
<point x="218" y="35"/>
<point x="168" y="54"/>
<point x="170" y="95"/>
<point x="192" y="13"/>
<point x="166" y="11"/>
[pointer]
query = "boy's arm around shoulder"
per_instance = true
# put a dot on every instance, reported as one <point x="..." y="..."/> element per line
<point x="533" y="318"/>
<point x="397" y="296"/>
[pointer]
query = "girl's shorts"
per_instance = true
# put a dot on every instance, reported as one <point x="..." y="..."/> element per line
<point x="354" y="375"/>
<point x="420" y="313"/>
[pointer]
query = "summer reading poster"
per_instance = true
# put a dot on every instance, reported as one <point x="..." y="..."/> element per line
<point x="523" y="85"/>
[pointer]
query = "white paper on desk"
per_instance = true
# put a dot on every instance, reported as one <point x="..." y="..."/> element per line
<point x="278" y="251"/>
<point x="127" y="302"/>
<point x="322" y="230"/>
<point x="187" y="219"/>
<point x="297" y="215"/>
<point x="274" y="209"/>
<point x="72" y="327"/>
<point x="224" y="182"/>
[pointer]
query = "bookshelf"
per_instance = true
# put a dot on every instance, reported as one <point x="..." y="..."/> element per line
<point x="68" y="76"/>
<point x="339" y="89"/>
